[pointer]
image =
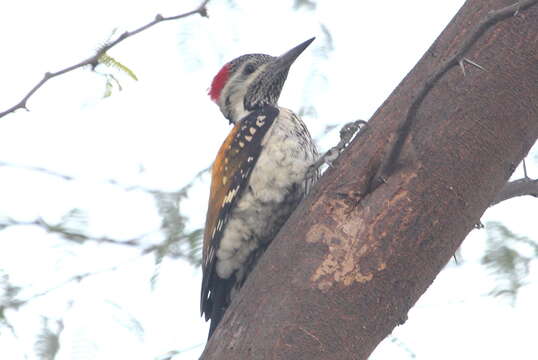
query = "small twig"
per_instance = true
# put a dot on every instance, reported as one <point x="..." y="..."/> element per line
<point x="170" y="354"/>
<point x="395" y="147"/>
<point x="347" y="133"/>
<point x="79" y="237"/>
<point x="163" y="200"/>
<point x="109" y="181"/>
<point x="395" y="340"/>
<point x="38" y="169"/>
<point x="70" y="234"/>
<point x="76" y="278"/>
<point x="94" y="60"/>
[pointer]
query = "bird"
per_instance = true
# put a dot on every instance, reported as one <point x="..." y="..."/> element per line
<point x="259" y="175"/>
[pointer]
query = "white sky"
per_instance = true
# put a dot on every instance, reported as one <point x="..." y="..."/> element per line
<point x="166" y="124"/>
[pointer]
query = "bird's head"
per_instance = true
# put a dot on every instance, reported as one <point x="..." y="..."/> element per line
<point x="252" y="81"/>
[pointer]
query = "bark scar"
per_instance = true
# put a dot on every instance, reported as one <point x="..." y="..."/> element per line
<point x="340" y="265"/>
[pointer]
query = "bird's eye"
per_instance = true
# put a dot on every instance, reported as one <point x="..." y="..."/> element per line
<point x="249" y="69"/>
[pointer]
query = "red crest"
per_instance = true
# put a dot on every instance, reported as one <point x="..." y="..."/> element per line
<point x="218" y="82"/>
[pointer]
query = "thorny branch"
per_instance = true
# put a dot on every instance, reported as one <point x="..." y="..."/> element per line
<point x="172" y="224"/>
<point x="12" y="302"/>
<point x="94" y="59"/>
<point x="395" y="147"/>
<point x="165" y="248"/>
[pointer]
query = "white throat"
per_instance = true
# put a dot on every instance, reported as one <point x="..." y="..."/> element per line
<point x="232" y="99"/>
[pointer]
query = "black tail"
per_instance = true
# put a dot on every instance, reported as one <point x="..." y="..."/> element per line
<point x="220" y="294"/>
<point x="219" y="300"/>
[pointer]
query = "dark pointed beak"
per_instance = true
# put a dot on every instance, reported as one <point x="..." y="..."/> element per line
<point x="285" y="60"/>
<point x="266" y="88"/>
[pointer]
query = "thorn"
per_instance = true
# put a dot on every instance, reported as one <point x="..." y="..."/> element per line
<point x="23" y="105"/>
<point x="93" y="64"/>
<point x="376" y="182"/>
<point x="158" y="17"/>
<point x="525" y="174"/>
<point x="516" y="13"/>
<point x="474" y="64"/>
<point x="462" y="62"/>
<point x="462" y="67"/>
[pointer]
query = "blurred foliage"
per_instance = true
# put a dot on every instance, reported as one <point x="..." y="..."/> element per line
<point x="508" y="256"/>
<point x="402" y="345"/>
<point x="304" y="4"/>
<point x="172" y="353"/>
<point x="174" y="240"/>
<point x="307" y="110"/>
<point x="111" y="80"/>
<point x="178" y="243"/>
<point x="8" y="294"/>
<point x="109" y="61"/>
<point x="47" y="343"/>
<point x="109" y="85"/>
<point x="297" y="4"/>
<point x="127" y="320"/>
<point x="326" y="41"/>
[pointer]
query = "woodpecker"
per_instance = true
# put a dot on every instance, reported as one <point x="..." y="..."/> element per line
<point x="258" y="177"/>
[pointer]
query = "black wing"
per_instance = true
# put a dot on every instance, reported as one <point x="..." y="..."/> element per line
<point x="230" y="175"/>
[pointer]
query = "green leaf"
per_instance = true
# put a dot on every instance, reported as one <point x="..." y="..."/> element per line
<point x="109" y="61"/>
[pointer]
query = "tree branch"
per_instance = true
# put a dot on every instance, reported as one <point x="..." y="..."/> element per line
<point x="94" y="60"/>
<point x="80" y="237"/>
<point x="346" y="268"/>
<point x="458" y="58"/>
<point x="75" y="236"/>
<point x="168" y="206"/>
<point x="38" y="169"/>
<point x="520" y="187"/>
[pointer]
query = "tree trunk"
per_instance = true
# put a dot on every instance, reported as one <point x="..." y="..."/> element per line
<point x="349" y="264"/>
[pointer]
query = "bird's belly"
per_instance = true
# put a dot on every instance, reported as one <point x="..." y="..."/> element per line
<point x="276" y="186"/>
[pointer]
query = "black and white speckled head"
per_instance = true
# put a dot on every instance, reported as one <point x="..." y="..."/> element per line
<point x="251" y="81"/>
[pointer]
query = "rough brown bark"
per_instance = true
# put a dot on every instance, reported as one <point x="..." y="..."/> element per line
<point x="346" y="268"/>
